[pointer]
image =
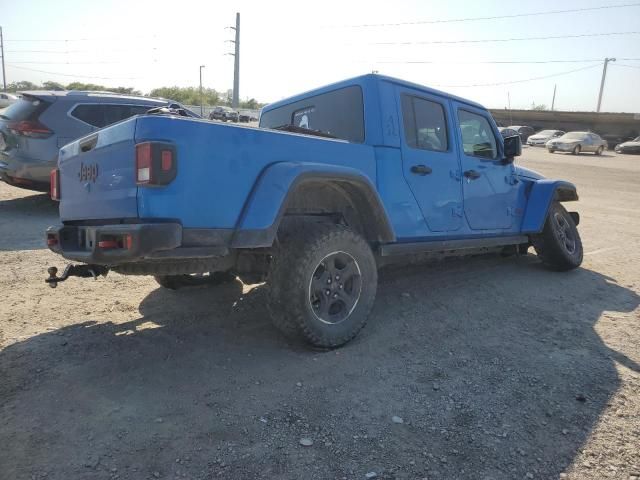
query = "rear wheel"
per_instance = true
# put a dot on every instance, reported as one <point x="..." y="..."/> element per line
<point x="576" y="150"/>
<point x="551" y="150"/>
<point x="322" y="283"/>
<point x="559" y="245"/>
<point x="174" y="282"/>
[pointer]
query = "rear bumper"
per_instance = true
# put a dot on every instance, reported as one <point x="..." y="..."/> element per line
<point x="117" y="244"/>
<point x="20" y="171"/>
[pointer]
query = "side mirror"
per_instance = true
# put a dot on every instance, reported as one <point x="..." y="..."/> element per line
<point x="512" y="148"/>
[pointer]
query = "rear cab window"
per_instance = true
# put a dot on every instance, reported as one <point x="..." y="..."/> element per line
<point x="477" y="135"/>
<point x="339" y="113"/>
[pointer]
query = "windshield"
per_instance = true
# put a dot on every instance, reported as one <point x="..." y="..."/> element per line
<point x="546" y="132"/>
<point x="573" y="136"/>
<point x="637" y="139"/>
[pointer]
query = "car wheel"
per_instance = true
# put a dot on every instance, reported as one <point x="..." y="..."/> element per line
<point x="175" y="282"/>
<point x="551" y="150"/>
<point x="599" y="150"/>
<point x="559" y="245"/>
<point x="322" y="283"/>
<point x="576" y="150"/>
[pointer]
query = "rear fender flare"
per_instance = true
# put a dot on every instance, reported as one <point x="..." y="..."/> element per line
<point x="541" y="195"/>
<point x="267" y="203"/>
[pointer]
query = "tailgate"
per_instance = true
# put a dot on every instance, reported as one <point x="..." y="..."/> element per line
<point x="97" y="175"/>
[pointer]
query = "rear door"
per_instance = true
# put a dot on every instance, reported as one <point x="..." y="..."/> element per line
<point x="488" y="185"/>
<point x="429" y="161"/>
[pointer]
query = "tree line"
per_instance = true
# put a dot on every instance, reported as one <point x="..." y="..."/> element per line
<point x="184" y="95"/>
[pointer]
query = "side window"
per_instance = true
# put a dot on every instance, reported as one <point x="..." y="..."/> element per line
<point x="477" y="136"/>
<point x="115" y="113"/>
<point x="425" y="126"/>
<point x="91" y="114"/>
<point x="141" y="109"/>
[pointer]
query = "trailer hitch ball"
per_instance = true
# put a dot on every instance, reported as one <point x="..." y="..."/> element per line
<point x="52" y="271"/>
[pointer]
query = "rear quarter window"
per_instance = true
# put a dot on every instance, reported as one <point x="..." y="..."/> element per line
<point x="339" y="113"/>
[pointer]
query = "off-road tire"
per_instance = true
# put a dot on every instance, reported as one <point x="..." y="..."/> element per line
<point x="552" y="246"/>
<point x="576" y="150"/>
<point x="299" y="253"/>
<point x="174" y="282"/>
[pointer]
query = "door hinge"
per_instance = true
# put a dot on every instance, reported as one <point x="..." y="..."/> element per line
<point x="456" y="211"/>
<point x="455" y="174"/>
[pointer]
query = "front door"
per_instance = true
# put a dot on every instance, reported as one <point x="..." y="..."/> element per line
<point x="429" y="159"/>
<point x="489" y="185"/>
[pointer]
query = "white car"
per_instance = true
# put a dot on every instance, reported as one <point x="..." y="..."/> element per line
<point x="577" y="142"/>
<point x="7" y="99"/>
<point x="540" y="139"/>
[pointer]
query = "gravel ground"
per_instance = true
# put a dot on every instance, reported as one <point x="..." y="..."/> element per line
<point x="481" y="368"/>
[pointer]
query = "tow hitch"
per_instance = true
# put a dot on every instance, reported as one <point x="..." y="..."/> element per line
<point x="82" y="271"/>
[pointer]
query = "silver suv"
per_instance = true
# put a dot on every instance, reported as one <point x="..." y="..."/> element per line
<point x="33" y="129"/>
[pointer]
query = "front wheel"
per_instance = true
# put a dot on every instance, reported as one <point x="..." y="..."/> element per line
<point x="559" y="245"/>
<point x="599" y="150"/>
<point x="322" y="283"/>
<point x="551" y="150"/>
<point x="576" y="150"/>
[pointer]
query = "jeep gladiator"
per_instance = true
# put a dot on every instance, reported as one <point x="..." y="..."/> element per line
<point x="332" y="184"/>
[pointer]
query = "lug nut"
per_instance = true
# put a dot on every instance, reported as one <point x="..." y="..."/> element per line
<point x="335" y="295"/>
<point x="328" y="280"/>
<point x="340" y="287"/>
<point x="337" y="277"/>
<point x="327" y="291"/>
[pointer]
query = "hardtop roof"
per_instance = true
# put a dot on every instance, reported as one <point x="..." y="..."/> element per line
<point x="362" y="79"/>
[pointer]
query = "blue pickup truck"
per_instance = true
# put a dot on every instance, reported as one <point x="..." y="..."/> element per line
<point x="333" y="183"/>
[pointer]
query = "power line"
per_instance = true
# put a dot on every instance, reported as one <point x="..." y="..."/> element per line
<point x="69" y="75"/>
<point x="523" y="80"/>
<point x="496" y="17"/>
<point x="623" y="65"/>
<point x="515" y="39"/>
<point x="499" y="62"/>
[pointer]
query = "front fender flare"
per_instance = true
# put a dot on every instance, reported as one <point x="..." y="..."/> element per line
<point x="541" y="195"/>
<point x="267" y="202"/>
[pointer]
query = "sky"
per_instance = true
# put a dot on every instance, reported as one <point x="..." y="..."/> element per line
<point x="287" y="47"/>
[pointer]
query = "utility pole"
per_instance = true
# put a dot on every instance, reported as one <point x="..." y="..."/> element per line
<point x="201" y="102"/>
<point x="553" y="101"/>
<point x="4" y="76"/>
<point x="235" y="96"/>
<point x="604" y="76"/>
<point x="236" y="66"/>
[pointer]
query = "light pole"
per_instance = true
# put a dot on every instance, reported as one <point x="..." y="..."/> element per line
<point x="201" y="103"/>
<point x="604" y="75"/>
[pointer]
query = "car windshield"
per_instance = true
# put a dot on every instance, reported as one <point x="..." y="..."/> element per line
<point x="574" y="136"/>
<point x="546" y="132"/>
<point x="637" y="139"/>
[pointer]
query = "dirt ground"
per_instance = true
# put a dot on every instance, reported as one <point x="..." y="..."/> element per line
<point x="498" y="368"/>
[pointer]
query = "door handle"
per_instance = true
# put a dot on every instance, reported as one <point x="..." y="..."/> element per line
<point x="421" y="170"/>
<point x="471" y="174"/>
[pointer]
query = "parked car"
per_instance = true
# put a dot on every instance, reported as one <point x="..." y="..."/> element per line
<point x="541" y="138"/>
<point x="224" y="114"/>
<point x="323" y="174"/>
<point x="577" y="142"/>
<point x="632" y="146"/>
<point x="523" y="131"/>
<point x="7" y="99"/>
<point x="33" y="129"/>
<point x="507" y="132"/>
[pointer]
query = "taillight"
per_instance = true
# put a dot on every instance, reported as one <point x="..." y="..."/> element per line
<point x="155" y="163"/>
<point x="54" y="184"/>
<point x="30" y="128"/>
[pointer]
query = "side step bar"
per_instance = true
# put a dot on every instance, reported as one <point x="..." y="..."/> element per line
<point x="450" y="245"/>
